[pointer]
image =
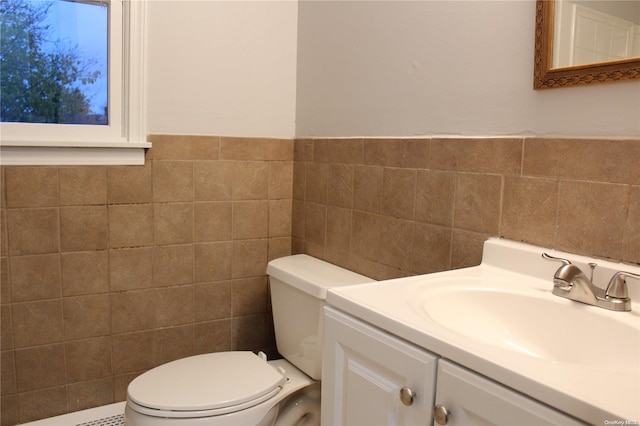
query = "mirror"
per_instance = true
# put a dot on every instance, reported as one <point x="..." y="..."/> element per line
<point x="586" y="42"/>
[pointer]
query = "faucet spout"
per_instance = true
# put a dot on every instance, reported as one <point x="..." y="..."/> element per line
<point x="571" y="283"/>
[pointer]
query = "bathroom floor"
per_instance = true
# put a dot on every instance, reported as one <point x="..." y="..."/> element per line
<point x="107" y="421"/>
<point x="106" y="415"/>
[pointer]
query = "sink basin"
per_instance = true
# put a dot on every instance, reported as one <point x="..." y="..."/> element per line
<point x="501" y="320"/>
<point x="529" y="321"/>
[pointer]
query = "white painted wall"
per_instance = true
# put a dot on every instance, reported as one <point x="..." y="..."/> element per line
<point x="413" y="68"/>
<point x="222" y="67"/>
<point x="364" y="68"/>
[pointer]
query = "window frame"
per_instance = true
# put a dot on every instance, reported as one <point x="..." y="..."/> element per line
<point x="123" y="140"/>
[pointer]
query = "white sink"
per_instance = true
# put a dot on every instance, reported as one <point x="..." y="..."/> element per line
<point x="500" y="319"/>
<point x="528" y="321"/>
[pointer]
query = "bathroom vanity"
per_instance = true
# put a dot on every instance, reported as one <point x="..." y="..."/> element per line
<point x="481" y="345"/>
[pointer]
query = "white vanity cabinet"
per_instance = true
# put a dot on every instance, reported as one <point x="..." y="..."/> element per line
<point x="472" y="399"/>
<point x="365" y="371"/>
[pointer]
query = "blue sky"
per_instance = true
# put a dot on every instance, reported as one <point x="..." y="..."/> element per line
<point x="85" y="26"/>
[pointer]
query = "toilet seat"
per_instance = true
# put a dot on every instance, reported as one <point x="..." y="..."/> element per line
<point x="205" y="385"/>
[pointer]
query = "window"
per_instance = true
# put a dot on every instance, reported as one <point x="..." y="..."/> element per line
<point x="72" y="82"/>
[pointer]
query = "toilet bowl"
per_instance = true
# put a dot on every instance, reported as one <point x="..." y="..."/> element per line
<point x="243" y="388"/>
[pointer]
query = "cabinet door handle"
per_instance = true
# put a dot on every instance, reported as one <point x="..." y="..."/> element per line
<point x="407" y="396"/>
<point x="441" y="414"/>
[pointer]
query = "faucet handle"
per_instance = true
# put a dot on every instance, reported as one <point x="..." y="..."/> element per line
<point x="618" y="285"/>
<point x="548" y="257"/>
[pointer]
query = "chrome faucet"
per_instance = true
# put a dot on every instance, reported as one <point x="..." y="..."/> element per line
<point x="570" y="282"/>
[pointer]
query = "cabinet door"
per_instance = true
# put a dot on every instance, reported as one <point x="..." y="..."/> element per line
<point x="475" y="400"/>
<point x="364" y="370"/>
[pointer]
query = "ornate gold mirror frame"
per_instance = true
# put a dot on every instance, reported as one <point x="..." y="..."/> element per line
<point x="545" y="77"/>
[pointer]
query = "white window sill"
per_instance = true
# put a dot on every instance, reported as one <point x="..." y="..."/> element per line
<point x="30" y="153"/>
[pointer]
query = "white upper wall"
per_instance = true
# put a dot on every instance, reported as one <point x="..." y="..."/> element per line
<point x="414" y="68"/>
<point x="222" y="67"/>
<point x="364" y="68"/>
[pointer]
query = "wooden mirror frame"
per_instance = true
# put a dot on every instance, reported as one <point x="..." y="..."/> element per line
<point x="546" y="77"/>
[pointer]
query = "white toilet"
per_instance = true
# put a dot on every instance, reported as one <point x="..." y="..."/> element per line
<point x="242" y="388"/>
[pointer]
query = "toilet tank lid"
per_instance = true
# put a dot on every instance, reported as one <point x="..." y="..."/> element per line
<point x="311" y="275"/>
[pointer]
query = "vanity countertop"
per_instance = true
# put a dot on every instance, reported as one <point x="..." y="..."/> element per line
<point x="596" y="391"/>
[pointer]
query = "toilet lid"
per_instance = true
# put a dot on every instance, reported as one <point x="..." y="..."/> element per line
<point x="206" y="382"/>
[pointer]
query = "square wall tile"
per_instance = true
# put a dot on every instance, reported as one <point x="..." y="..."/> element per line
<point x="346" y="151"/>
<point x="175" y="306"/>
<point x="93" y="393"/>
<point x="7" y="373"/>
<point x="250" y="180"/>
<point x="366" y="235"/>
<point x="172" y="181"/>
<point x="86" y="316"/>
<point x="84" y="228"/>
<point x="316" y="179"/>
<point x="88" y="359"/>
<point x="133" y="310"/>
<point x="396" y="237"/>
<point x="586" y="222"/>
<point x="213" y="221"/>
<point x="31" y="187"/>
<point x="237" y="148"/>
<point x="131" y="225"/>
<point x="6" y="328"/>
<point x="249" y="258"/>
<point x="340" y="185"/>
<point x="130" y="269"/>
<point x="431" y="248"/>
<point x="172" y="265"/>
<point x="367" y="188"/>
<point x="173" y="223"/>
<point x="594" y="160"/>
<point x="83" y="185"/>
<point x="407" y="153"/>
<point x="631" y="245"/>
<point x="33" y="231"/>
<point x="399" y="193"/>
<point x="35" y="277"/>
<point x="129" y="184"/>
<point x="249" y="296"/>
<point x="477" y="204"/>
<point x="213" y="336"/>
<point x="37" y="323"/>
<point x="133" y="352"/>
<point x="213" y="261"/>
<point x="179" y="147"/>
<point x="280" y="180"/>
<point x="212" y="300"/>
<point x="280" y="218"/>
<point x="250" y="219"/>
<point x="85" y="273"/>
<point x="435" y="197"/>
<point x="495" y="155"/>
<point x="315" y="226"/>
<point x="530" y="208"/>
<point x="303" y="150"/>
<point x="213" y="180"/>
<point x="40" y="367"/>
<point x="42" y="403"/>
<point x="173" y="343"/>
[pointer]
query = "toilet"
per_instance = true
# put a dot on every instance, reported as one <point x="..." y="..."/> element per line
<point x="242" y="388"/>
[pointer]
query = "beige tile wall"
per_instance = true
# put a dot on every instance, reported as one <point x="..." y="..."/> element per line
<point x="395" y="207"/>
<point x="109" y="271"/>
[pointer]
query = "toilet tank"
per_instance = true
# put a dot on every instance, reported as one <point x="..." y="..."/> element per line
<point x="299" y="285"/>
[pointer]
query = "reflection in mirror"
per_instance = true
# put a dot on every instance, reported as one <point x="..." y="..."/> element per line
<point x="588" y="31"/>
<point x="586" y="41"/>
